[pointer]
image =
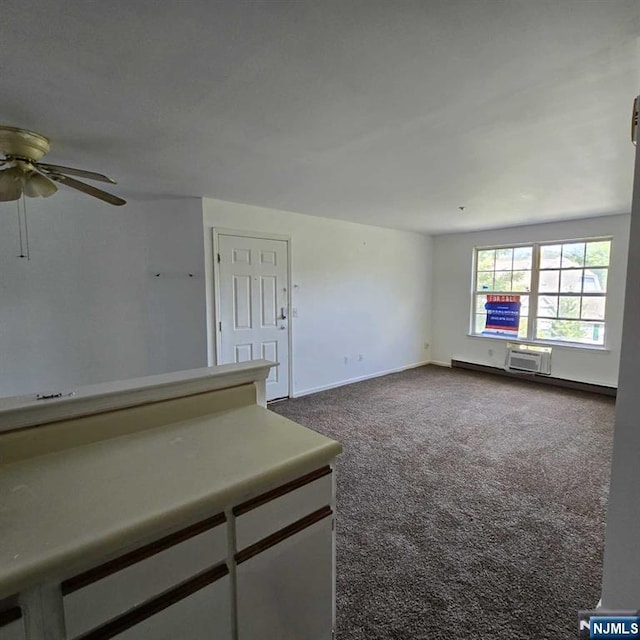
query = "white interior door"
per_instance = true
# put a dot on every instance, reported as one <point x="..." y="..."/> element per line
<point x="253" y="305"/>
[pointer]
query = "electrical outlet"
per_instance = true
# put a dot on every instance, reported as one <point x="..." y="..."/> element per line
<point x="426" y="345"/>
<point x="346" y="360"/>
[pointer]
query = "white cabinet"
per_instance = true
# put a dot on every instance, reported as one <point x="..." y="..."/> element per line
<point x="285" y="592"/>
<point x="268" y="573"/>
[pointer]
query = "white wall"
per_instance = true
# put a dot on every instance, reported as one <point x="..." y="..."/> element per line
<point x="176" y="303"/>
<point x="452" y="267"/>
<point x="358" y="289"/>
<point x="86" y="308"/>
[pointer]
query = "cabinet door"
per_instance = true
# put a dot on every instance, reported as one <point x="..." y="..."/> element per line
<point x="285" y="592"/>
<point x="204" y="615"/>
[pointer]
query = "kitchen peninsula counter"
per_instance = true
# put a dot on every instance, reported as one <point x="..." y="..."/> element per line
<point x="79" y="493"/>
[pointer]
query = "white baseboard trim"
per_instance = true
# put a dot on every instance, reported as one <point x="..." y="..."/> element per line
<point x="342" y="383"/>
<point x="441" y="364"/>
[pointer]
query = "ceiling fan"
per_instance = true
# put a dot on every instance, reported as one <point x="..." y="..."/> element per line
<point x="21" y="171"/>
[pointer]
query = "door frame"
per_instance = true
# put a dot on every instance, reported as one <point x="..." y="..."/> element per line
<point x="213" y="292"/>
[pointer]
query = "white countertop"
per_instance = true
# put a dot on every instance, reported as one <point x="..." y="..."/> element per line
<point x="62" y="511"/>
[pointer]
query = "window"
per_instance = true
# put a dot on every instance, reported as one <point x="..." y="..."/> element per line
<point x="561" y="288"/>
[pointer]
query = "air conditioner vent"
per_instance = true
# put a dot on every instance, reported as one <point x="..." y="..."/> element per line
<point x="527" y="364"/>
<point x="528" y="358"/>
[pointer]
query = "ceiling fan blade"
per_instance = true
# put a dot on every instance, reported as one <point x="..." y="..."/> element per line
<point x="11" y="181"/>
<point x="87" y="188"/>
<point x="37" y="185"/>
<point x="81" y="173"/>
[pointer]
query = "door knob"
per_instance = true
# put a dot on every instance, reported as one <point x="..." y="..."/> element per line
<point x="283" y="315"/>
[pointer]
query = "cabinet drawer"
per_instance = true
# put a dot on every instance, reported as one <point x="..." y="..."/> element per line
<point x="109" y="590"/>
<point x="272" y="511"/>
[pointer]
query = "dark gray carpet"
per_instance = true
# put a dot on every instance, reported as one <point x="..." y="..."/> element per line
<point x="469" y="505"/>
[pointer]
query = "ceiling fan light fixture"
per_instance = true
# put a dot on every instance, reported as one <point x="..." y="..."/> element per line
<point x="39" y="186"/>
<point x="11" y="184"/>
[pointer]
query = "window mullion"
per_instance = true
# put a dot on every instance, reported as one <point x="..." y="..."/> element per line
<point x="533" y="297"/>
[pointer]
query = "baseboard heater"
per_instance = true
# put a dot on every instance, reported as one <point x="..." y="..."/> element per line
<point x="534" y="377"/>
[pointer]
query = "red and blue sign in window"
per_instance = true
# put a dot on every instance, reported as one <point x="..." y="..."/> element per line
<point x="503" y="315"/>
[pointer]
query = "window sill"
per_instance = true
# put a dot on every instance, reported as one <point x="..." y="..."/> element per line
<point x="543" y="343"/>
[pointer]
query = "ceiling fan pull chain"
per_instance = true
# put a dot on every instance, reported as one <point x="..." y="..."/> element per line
<point x="26" y="228"/>
<point x="20" y="229"/>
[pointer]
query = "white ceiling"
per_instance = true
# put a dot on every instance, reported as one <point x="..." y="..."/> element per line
<point x="388" y="113"/>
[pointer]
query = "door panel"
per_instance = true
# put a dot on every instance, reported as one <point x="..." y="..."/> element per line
<point x="242" y="302"/>
<point x="268" y="299"/>
<point x="244" y="352"/>
<point x="253" y="305"/>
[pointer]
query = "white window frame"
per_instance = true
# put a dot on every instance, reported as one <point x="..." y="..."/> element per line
<point x="534" y="293"/>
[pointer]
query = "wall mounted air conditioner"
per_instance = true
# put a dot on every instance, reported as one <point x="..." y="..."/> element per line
<point x="528" y="359"/>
